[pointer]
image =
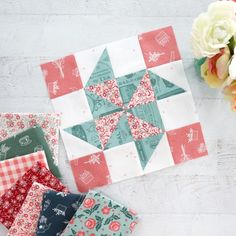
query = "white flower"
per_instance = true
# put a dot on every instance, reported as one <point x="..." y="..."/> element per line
<point x="213" y="29"/>
<point x="232" y="67"/>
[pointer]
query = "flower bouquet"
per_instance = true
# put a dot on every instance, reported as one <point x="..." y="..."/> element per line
<point x="213" y="44"/>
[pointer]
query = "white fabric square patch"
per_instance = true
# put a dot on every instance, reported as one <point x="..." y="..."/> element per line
<point x="74" y="108"/>
<point x="123" y="162"/>
<point x="126" y="56"/>
<point x="177" y="111"/>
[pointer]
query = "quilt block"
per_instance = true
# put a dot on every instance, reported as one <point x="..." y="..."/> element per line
<point x="127" y="109"/>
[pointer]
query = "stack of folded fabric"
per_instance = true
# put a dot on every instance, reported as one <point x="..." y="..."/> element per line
<point x="33" y="201"/>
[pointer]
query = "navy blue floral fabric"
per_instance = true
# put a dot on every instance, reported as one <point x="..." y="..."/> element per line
<point x="57" y="210"/>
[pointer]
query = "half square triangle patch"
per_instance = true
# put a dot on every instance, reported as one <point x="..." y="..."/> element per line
<point x="163" y="88"/>
<point x="87" y="132"/>
<point x="128" y="84"/>
<point x="100" y="107"/>
<point x="109" y="91"/>
<point x="144" y="92"/>
<point x="146" y="147"/>
<point x="103" y="70"/>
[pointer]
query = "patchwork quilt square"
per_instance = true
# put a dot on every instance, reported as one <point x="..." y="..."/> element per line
<point x="12" y="169"/>
<point x="99" y="215"/>
<point x="26" y="142"/>
<point x="135" y="93"/>
<point x="13" y="198"/>
<point x="62" y="76"/>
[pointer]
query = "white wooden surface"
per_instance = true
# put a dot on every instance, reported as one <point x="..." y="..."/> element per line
<point x="195" y="198"/>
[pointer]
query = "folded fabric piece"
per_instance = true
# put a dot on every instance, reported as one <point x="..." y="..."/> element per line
<point x="124" y="104"/>
<point x="26" y="142"/>
<point x="12" y="200"/>
<point x="100" y="216"/>
<point x="57" y="210"/>
<point x="25" y="223"/>
<point x="13" y="123"/>
<point x="12" y="169"/>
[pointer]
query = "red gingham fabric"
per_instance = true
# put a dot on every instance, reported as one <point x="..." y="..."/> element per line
<point x="12" y="169"/>
<point x="12" y="200"/>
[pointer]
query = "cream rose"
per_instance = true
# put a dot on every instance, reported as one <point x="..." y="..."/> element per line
<point x="213" y="29"/>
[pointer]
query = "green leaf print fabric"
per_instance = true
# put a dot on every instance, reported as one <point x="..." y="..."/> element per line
<point x="26" y="142"/>
<point x="100" y="216"/>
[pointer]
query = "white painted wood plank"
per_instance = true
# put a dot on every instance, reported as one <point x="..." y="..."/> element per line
<point x="118" y="8"/>
<point x="56" y="36"/>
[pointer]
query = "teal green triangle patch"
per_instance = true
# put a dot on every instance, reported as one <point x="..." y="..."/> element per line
<point x="128" y="85"/>
<point x="121" y="135"/>
<point x="87" y="132"/>
<point x="146" y="147"/>
<point x="103" y="70"/>
<point x="163" y="88"/>
<point x="150" y="113"/>
<point x="99" y="106"/>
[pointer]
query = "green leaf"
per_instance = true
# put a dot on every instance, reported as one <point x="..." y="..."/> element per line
<point x="231" y="45"/>
<point x="126" y="213"/>
<point x="87" y="211"/>
<point x="73" y="231"/>
<point x="98" y="218"/>
<point x="116" y="217"/>
<point x="98" y="226"/>
<point x="97" y="195"/>
<point x="110" y="204"/>
<point x="107" y="221"/>
<point x="198" y="63"/>
<point x="116" y="206"/>
<point x="79" y="216"/>
<point x="95" y="208"/>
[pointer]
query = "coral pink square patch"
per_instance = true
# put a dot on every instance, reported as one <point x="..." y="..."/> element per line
<point x="62" y="76"/>
<point x="90" y="171"/>
<point x="187" y="143"/>
<point x="159" y="47"/>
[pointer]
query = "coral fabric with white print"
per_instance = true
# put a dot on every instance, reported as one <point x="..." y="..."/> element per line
<point x="13" y="169"/>
<point x="13" y="123"/>
<point x="127" y="109"/>
<point x="26" y="220"/>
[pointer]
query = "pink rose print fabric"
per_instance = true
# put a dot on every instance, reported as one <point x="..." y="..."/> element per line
<point x="93" y="171"/>
<point x="13" y="123"/>
<point x="141" y="129"/>
<point x="13" y="169"/>
<point x="159" y="47"/>
<point x="99" y="216"/>
<point x="187" y="143"/>
<point x="106" y="125"/>
<point x="108" y="90"/>
<point x="26" y="220"/>
<point x="144" y="93"/>
<point x="12" y="200"/>
<point x="62" y="76"/>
